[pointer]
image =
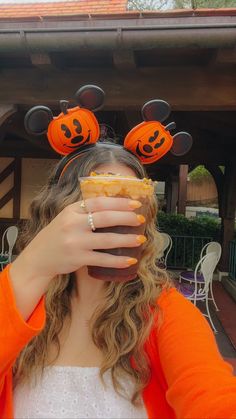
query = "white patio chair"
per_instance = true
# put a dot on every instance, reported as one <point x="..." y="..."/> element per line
<point x="194" y="292"/>
<point x="8" y="242"/>
<point x="166" y="248"/>
<point x="212" y="247"/>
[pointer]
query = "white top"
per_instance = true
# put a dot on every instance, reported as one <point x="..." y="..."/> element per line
<point x="73" y="392"/>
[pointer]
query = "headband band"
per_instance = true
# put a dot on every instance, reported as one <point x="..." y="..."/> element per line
<point x="67" y="160"/>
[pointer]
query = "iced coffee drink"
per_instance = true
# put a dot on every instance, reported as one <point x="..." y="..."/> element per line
<point x="126" y="187"/>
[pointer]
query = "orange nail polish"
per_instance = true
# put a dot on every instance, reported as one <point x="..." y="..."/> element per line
<point x="141" y="218"/>
<point x="141" y="239"/>
<point x="134" y="204"/>
<point x="131" y="261"/>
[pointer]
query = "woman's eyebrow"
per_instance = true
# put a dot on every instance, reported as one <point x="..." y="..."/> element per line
<point x="108" y="173"/>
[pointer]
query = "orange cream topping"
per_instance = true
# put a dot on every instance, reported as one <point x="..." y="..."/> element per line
<point x="106" y="184"/>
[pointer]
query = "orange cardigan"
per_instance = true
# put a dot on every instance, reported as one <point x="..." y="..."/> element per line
<point x="189" y="377"/>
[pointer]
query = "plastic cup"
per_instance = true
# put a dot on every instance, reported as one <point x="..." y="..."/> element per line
<point x="126" y="187"/>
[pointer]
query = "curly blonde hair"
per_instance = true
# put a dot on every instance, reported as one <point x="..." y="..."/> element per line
<point x="121" y="326"/>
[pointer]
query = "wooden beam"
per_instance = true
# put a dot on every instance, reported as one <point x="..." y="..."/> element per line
<point x="226" y="56"/>
<point x="6" y="110"/>
<point x="37" y="141"/>
<point x="206" y="155"/>
<point x="133" y="118"/>
<point x="182" y="190"/>
<point x="7" y="171"/>
<point x="6" y="198"/>
<point x="124" y="59"/>
<point x="185" y="88"/>
<point x="42" y="61"/>
<point x="200" y="155"/>
<point x="15" y="192"/>
<point x="15" y="148"/>
<point x="216" y="122"/>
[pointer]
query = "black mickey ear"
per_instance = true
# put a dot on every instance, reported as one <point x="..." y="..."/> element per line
<point x="90" y="97"/>
<point x="37" y="120"/>
<point x="156" y="110"/>
<point x="182" y="143"/>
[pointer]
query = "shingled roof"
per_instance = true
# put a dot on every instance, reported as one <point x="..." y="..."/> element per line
<point x="62" y="8"/>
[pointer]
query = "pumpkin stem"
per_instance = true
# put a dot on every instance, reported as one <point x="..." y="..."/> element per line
<point x="170" y="126"/>
<point x="64" y="105"/>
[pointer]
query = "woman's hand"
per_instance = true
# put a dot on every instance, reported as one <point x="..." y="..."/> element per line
<point x="67" y="242"/>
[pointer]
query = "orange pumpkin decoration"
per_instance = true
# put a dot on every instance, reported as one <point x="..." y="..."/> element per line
<point x="73" y="129"/>
<point x="149" y="141"/>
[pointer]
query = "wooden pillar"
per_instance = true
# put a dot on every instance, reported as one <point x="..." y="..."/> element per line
<point x="182" y="190"/>
<point x="171" y="192"/>
<point x="227" y="234"/>
<point x="227" y="213"/>
<point x="225" y="183"/>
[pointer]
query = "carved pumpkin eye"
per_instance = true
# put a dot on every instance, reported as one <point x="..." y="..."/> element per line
<point x="160" y="143"/>
<point x="78" y="126"/>
<point x="155" y="135"/>
<point x="66" y="130"/>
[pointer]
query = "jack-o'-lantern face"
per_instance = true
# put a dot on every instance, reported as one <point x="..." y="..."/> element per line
<point x="69" y="131"/>
<point x="149" y="141"/>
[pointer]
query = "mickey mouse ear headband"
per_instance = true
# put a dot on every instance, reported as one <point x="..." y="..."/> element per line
<point x="76" y="130"/>
<point x="73" y="127"/>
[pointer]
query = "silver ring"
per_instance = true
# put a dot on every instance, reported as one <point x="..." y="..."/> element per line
<point x="90" y="221"/>
<point x="83" y="206"/>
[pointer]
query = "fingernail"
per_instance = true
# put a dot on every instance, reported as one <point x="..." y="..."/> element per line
<point x="132" y="261"/>
<point x="134" y="204"/>
<point x="141" y="239"/>
<point x="141" y="218"/>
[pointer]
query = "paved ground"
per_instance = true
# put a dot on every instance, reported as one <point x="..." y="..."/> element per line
<point x="224" y="321"/>
<point x="228" y="351"/>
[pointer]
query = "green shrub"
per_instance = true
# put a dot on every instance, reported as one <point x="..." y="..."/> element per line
<point x="199" y="174"/>
<point x="179" y="225"/>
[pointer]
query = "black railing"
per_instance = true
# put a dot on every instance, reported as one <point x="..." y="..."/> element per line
<point x="186" y="251"/>
<point x="232" y="260"/>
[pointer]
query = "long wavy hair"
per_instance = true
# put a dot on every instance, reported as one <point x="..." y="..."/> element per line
<point x="121" y="327"/>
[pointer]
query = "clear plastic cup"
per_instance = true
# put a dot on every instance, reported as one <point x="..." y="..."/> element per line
<point x="126" y="187"/>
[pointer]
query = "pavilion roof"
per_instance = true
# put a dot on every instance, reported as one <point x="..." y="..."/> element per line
<point x="61" y="8"/>
<point x="93" y="8"/>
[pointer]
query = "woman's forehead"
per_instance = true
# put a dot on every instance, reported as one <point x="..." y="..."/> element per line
<point x="115" y="168"/>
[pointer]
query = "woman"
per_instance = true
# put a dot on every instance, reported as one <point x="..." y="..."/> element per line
<point x="111" y="350"/>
